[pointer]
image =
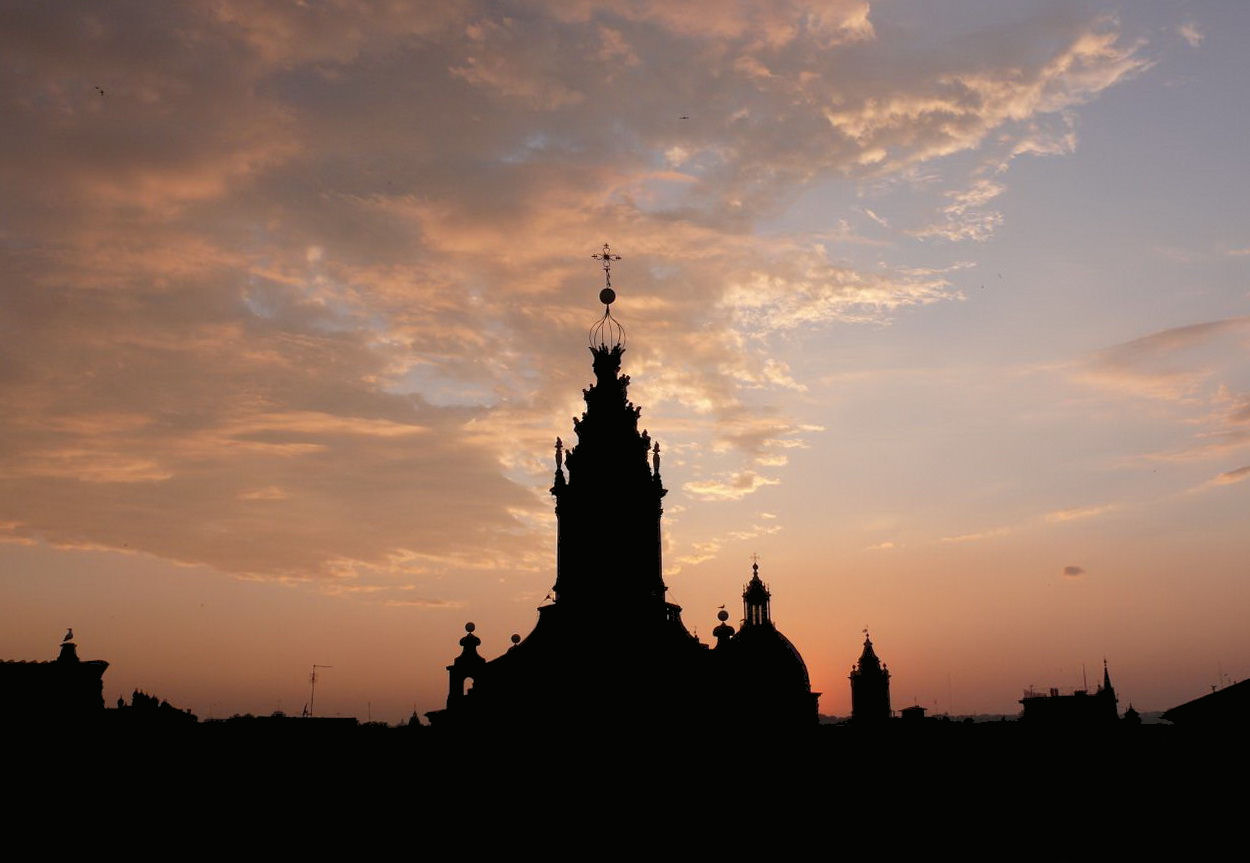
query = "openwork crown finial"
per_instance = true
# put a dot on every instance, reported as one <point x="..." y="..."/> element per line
<point x="607" y="332"/>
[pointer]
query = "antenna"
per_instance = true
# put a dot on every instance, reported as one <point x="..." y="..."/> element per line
<point x="312" y="688"/>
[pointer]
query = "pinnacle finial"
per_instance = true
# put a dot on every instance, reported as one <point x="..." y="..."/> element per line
<point x="607" y="257"/>
<point x="607" y="332"/>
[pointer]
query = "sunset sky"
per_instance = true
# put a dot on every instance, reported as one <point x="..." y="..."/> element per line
<point x="941" y="308"/>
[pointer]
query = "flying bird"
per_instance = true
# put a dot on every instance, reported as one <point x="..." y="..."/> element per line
<point x="684" y="117"/>
<point x="100" y="90"/>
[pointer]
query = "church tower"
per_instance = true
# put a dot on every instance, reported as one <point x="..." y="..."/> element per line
<point x="609" y="508"/>
<point x="608" y="637"/>
<point x="870" y="687"/>
<point x="609" y="653"/>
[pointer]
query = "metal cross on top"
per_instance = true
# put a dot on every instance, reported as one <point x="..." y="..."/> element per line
<point x="607" y="257"/>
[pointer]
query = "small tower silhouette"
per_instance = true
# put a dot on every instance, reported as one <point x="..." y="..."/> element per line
<point x="465" y="667"/>
<point x="756" y="600"/>
<point x="870" y="687"/>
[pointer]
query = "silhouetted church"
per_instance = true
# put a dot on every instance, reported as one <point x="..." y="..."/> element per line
<point x="870" y="687"/>
<point x="610" y="649"/>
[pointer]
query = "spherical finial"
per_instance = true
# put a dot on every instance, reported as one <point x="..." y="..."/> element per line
<point x="516" y="639"/>
<point x="469" y="627"/>
<point x="607" y="296"/>
<point x="722" y="615"/>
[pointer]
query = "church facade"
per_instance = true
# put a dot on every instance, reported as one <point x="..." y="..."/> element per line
<point x="610" y="648"/>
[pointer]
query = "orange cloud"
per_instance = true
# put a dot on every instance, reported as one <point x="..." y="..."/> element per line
<point x="1076" y="513"/>
<point x="733" y="487"/>
<point x="301" y="291"/>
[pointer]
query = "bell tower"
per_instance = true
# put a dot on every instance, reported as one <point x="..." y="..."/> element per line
<point x="608" y="508"/>
<point x="608" y="636"/>
<point x="870" y="687"/>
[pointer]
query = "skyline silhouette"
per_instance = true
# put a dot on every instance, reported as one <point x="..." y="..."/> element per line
<point x="943" y="312"/>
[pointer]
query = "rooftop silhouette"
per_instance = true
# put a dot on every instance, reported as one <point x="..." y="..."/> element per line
<point x="610" y="636"/>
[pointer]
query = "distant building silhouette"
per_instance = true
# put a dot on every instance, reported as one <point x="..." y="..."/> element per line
<point x="870" y="687"/>
<point x="150" y="710"/>
<point x="66" y="689"/>
<point x="915" y="713"/>
<point x="609" y="648"/>
<point x="1222" y="707"/>
<point x="1079" y="708"/>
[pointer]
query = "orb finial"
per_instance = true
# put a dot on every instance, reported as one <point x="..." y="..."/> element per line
<point x="607" y="331"/>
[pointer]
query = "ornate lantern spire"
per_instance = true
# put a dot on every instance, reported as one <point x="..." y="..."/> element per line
<point x="607" y="333"/>
<point x="607" y="486"/>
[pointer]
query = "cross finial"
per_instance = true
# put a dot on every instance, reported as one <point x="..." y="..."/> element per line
<point x="755" y="564"/>
<point x="607" y="257"/>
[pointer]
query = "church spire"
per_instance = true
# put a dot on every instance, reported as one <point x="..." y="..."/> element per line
<point x="608" y="510"/>
<point x="870" y="686"/>
<point x="868" y="660"/>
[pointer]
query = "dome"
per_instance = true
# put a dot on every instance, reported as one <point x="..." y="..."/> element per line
<point x="767" y="658"/>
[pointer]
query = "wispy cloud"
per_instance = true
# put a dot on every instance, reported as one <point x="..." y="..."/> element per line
<point x="256" y="293"/>
<point x="732" y="487"/>
<point x="966" y="218"/>
<point x="1078" y="513"/>
<point x="1198" y="371"/>
<point x="701" y="551"/>
<point x="1228" y="477"/>
<point x="978" y="536"/>
<point x="1189" y="31"/>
